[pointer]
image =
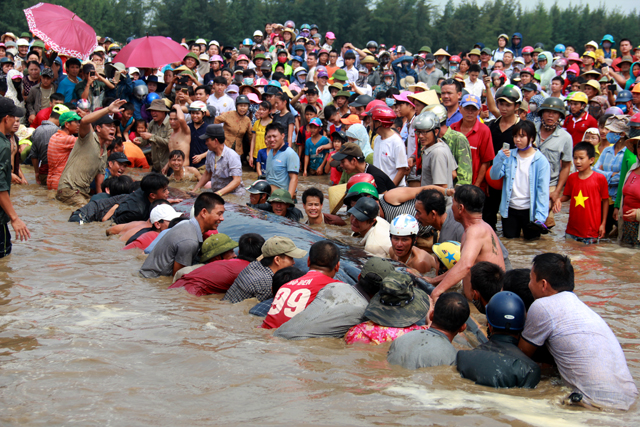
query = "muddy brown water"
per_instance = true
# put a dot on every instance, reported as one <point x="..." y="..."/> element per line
<point x="85" y="341"/>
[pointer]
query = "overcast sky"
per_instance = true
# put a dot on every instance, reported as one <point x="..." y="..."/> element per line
<point x="625" y="5"/>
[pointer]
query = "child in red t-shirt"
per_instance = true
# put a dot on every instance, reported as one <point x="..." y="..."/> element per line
<point x="588" y="193"/>
<point x="138" y="127"/>
<point x="335" y="173"/>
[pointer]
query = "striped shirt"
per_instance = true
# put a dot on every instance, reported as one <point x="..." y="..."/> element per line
<point x="408" y="208"/>
<point x="60" y="146"/>
<point x="611" y="164"/>
<point x="252" y="282"/>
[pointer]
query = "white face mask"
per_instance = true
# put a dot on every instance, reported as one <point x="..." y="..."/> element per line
<point x="388" y="82"/>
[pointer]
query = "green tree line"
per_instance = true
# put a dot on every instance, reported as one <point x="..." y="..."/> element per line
<point x="412" y="23"/>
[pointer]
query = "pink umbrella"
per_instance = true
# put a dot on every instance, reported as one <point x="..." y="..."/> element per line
<point x="61" y="29"/>
<point x="151" y="52"/>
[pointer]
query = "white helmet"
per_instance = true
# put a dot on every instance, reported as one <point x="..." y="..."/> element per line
<point x="198" y="106"/>
<point x="439" y="110"/>
<point x="404" y="225"/>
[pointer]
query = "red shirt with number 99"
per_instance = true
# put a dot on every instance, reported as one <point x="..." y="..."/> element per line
<point x="295" y="296"/>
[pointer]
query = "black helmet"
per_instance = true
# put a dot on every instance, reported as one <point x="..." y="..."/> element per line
<point x="506" y="311"/>
<point x="552" y="104"/>
<point x="272" y="90"/>
<point x="361" y="101"/>
<point x="243" y="99"/>
<point x="510" y="93"/>
<point x="372" y="45"/>
<point x="364" y="209"/>
<point x="260" y="187"/>
<point x="515" y="78"/>
<point x="538" y="46"/>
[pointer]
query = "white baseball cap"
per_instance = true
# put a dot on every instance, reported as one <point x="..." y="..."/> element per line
<point x="163" y="212"/>
<point x="258" y="33"/>
<point x="133" y="70"/>
<point x="22" y="42"/>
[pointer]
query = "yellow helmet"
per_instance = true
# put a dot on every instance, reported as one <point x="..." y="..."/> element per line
<point x="578" y="97"/>
<point x="448" y="253"/>
<point x="115" y="46"/>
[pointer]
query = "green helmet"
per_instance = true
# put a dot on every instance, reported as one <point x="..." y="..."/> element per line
<point x="427" y="120"/>
<point x="509" y="93"/>
<point x="362" y="189"/>
<point x="553" y="104"/>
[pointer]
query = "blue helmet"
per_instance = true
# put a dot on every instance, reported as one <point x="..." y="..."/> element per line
<point x="248" y="42"/>
<point x="559" y="48"/>
<point x="624" y="96"/>
<point x="151" y="97"/>
<point x="506" y="312"/>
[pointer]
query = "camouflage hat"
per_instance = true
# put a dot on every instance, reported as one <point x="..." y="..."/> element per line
<point x="281" y="195"/>
<point x="398" y="304"/>
<point x="216" y="245"/>
<point x="378" y="266"/>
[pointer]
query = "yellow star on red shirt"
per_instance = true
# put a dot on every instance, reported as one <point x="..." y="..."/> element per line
<point x="580" y="199"/>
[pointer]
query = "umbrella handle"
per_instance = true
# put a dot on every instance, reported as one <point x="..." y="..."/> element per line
<point x="74" y="15"/>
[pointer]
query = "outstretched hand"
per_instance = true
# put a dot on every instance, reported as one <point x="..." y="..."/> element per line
<point x="115" y="106"/>
<point x="21" y="230"/>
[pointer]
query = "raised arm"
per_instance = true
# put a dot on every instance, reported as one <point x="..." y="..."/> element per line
<point x="85" y="123"/>
<point x="491" y="103"/>
<point x="183" y="122"/>
<point x="399" y="195"/>
<point x="469" y="254"/>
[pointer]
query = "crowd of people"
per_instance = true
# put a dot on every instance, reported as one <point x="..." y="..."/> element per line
<point x="426" y="150"/>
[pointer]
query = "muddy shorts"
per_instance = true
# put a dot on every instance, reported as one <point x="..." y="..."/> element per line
<point x="71" y="197"/>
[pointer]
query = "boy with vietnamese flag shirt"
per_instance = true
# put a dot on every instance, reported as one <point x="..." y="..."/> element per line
<point x="294" y="296"/>
<point x="588" y="193"/>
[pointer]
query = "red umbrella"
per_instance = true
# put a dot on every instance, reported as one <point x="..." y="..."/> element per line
<point x="61" y="29"/>
<point x="151" y="52"/>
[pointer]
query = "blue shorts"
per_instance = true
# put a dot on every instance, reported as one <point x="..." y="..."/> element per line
<point x="585" y="240"/>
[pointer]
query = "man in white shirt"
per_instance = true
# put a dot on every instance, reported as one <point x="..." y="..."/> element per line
<point x="373" y="230"/>
<point x="589" y="357"/>
<point x="389" y="152"/>
<point x="472" y="83"/>
<point x="220" y="100"/>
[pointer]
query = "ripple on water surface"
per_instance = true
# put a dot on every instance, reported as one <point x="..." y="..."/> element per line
<point x="85" y="341"/>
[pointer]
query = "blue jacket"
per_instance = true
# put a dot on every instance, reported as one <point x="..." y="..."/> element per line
<point x="517" y="50"/>
<point x="402" y="71"/>
<point x="539" y="176"/>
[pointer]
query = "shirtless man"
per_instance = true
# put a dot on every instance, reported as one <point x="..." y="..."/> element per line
<point x="404" y="232"/>
<point x="180" y="171"/>
<point x="180" y="138"/>
<point x="479" y="241"/>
